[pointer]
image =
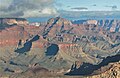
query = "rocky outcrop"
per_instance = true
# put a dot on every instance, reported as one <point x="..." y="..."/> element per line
<point x="92" y="22"/>
<point x="60" y="21"/>
<point x="110" y="71"/>
<point x="12" y="21"/>
<point x="57" y="27"/>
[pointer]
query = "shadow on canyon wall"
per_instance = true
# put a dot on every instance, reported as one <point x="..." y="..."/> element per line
<point x="27" y="45"/>
<point x="52" y="50"/>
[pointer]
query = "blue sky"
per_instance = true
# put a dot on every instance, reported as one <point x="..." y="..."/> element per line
<point x="64" y="8"/>
<point x="92" y="5"/>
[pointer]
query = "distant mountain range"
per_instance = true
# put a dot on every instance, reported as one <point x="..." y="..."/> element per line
<point x="106" y="24"/>
<point x="81" y="15"/>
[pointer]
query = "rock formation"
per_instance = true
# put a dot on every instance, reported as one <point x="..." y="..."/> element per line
<point x="11" y="21"/>
<point x="58" y="46"/>
<point x="110" y="71"/>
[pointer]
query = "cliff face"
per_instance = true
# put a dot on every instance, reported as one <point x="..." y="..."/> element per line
<point x="11" y="36"/>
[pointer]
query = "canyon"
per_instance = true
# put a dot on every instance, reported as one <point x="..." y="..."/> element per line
<point x="59" y="48"/>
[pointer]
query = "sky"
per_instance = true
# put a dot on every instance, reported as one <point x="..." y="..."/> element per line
<point x="64" y="8"/>
<point x="89" y="5"/>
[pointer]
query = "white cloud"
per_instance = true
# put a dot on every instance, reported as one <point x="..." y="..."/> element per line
<point x="49" y="11"/>
<point x="41" y="13"/>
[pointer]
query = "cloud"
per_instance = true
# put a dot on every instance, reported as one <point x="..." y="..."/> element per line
<point x="79" y="8"/>
<point x="27" y="8"/>
<point x="114" y="7"/>
<point x="94" y="5"/>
